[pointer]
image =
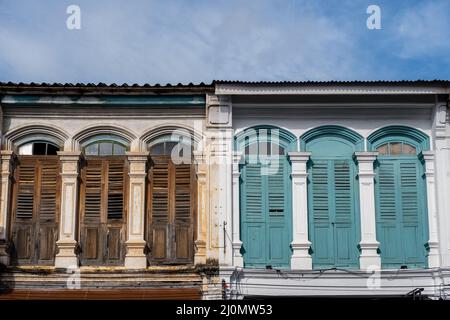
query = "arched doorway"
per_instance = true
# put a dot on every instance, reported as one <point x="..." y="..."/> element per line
<point x="35" y="205"/>
<point x="400" y="194"/>
<point x="265" y="197"/>
<point x="171" y="202"/>
<point x="333" y="200"/>
<point x="103" y="201"/>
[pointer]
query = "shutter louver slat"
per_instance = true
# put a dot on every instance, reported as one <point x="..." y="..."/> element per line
<point x="25" y="197"/>
<point x="93" y="191"/>
<point x="343" y="200"/>
<point x="253" y="203"/>
<point x="160" y="192"/>
<point x="276" y="190"/>
<point x="115" y="189"/>
<point x="49" y="176"/>
<point x="320" y="192"/>
<point x="409" y="193"/>
<point x="183" y="193"/>
<point x="386" y="180"/>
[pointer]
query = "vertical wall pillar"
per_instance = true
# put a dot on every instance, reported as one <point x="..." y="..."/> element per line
<point x="300" y="259"/>
<point x="135" y="257"/>
<point x="434" y="260"/>
<point x="219" y="147"/>
<point x="7" y="158"/>
<point x="238" y="260"/>
<point x="369" y="258"/>
<point x="200" y="242"/>
<point x="66" y="256"/>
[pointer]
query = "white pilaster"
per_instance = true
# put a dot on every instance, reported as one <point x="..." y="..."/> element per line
<point x="200" y="242"/>
<point x="434" y="260"/>
<point x="238" y="260"/>
<point x="135" y="257"/>
<point x="369" y="258"/>
<point x="7" y="158"/>
<point x="300" y="259"/>
<point x="66" y="256"/>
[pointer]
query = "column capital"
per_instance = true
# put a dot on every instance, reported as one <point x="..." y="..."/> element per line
<point x="297" y="156"/>
<point x="70" y="155"/>
<point x="199" y="156"/>
<point x="137" y="156"/>
<point x="365" y="156"/>
<point x="6" y="154"/>
<point x="426" y="156"/>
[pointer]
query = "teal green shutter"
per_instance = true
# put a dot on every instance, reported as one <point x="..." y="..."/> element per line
<point x="333" y="228"/>
<point x="253" y="215"/>
<point x="400" y="229"/>
<point x="265" y="213"/>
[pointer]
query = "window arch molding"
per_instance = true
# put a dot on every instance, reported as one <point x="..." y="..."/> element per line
<point x="88" y="135"/>
<point x="405" y="134"/>
<point x="341" y="132"/>
<point x="35" y="133"/>
<point x="250" y="135"/>
<point x="170" y="133"/>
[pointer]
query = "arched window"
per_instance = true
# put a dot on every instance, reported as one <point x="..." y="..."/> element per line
<point x="171" y="208"/>
<point x="265" y="196"/>
<point x="35" y="205"/>
<point x="400" y="196"/>
<point x="103" y="200"/>
<point x="333" y="200"/>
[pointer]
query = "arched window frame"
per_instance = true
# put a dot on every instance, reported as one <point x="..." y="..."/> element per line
<point x="103" y="138"/>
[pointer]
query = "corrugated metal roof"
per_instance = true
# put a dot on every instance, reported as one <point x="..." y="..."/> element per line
<point x="350" y="82"/>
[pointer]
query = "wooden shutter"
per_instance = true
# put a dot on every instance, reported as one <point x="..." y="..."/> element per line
<point x="35" y="207"/>
<point x="103" y="197"/>
<point x="48" y="208"/>
<point x="183" y="216"/>
<point x="322" y="232"/>
<point x="159" y="210"/>
<point x="171" y="207"/>
<point x="276" y="189"/>
<point x="344" y="239"/>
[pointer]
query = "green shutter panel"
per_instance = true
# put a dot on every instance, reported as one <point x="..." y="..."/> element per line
<point x="387" y="226"/>
<point x="322" y="232"/>
<point x="277" y="235"/>
<point x="412" y="237"/>
<point x="343" y="197"/>
<point x="253" y="215"/>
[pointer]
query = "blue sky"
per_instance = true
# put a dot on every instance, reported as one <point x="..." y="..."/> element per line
<point x="160" y="41"/>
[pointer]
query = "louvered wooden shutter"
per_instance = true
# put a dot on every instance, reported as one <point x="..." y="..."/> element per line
<point x="35" y="222"/>
<point x="253" y="195"/>
<point x="344" y="240"/>
<point x="159" y="179"/>
<point x="183" y="205"/>
<point x="115" y="188"/>
<point x="276" y="188"/>
<point x="92" y="233"/>
<point x="322" y="233"/>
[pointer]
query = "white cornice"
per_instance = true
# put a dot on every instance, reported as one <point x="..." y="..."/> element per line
<point x="249" y="89"/>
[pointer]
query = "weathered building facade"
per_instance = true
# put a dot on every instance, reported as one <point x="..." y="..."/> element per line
<point x="279" y="189"/>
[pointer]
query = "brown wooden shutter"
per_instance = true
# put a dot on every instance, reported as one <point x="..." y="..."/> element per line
<point x="171" y="207"/>
<point x="91" y="197"/>
<point x="35" y="210"/>
<point x="159" y="208"/>
<point x="103" y="197"/>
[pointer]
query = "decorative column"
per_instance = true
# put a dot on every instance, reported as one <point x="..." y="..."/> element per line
<point x="200" y="242"/>
<point x="369" y="258"/>
<point x="7" y="160"/>
<point x="66" y="256"/>
<point x="135" y="257"/>
<point x="434" y="260"/>
<point x="300" y="259"/>
<point x="238" y="260"/>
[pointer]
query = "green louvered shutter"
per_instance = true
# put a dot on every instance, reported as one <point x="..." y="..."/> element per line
<point x="399" y="213"/>
<point x="344" y="238"/>
<point x="253" y="220"/>
<point x="320" y="215"/>
<point x="388" y="223"/>
<point x="411" y="213"/>
<point x="277" y="236"/>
